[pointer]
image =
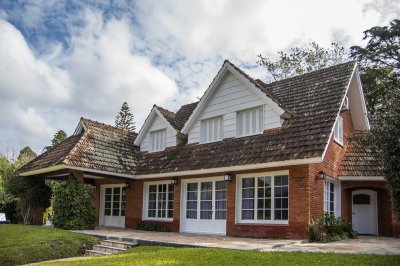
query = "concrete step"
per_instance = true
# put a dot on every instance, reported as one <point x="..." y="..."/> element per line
<point x="108" y="249"/>
<point x="95" y="253"/>
<point x="118" y="244"/>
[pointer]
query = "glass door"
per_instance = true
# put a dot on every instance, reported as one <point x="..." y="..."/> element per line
<point x="114" y="205"/>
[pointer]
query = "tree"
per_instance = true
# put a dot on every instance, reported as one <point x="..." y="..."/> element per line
<point x="124" y="118"/>
<point x="26" y="154"/>
<point x="379" y="62"/>
<point x="300" y="60"/>
<point x="58" y="137"/>
<point x="380" y="72"/>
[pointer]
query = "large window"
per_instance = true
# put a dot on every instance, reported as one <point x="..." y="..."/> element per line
<point x="329" y="197"/>
<point x="211" y="130"/>
<point x="159" y="201"/>
<point x="264" y="198"/>
<point x="338" y="131"/>
<point x="249" y="122"/>
<point x="158" y="140"/>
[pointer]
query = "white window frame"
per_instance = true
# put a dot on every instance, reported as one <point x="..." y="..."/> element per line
<point x="338" y="130"/>
<point x="146" y="187"/>
<point x="238" y="210"/>
<point x="259" y="121"/>
<point x="336" y="196"/>
<point x="217" y="129"/>
<point x="153" y="135"/>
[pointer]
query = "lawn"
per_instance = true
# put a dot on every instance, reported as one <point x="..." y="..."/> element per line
<point x="21" y="244"/>
<point x="210" y="257"/>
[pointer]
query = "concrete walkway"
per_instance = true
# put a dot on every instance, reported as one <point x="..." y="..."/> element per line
<point x="365" y="245"/>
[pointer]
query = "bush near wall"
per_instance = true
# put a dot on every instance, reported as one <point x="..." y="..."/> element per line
<point x="329" y="228"/>
<point x="72" y="205"/>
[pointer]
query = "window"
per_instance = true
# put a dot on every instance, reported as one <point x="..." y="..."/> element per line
<point x="158" y="140"/>
<point x="329" y="197"/>
<point x="338" y="131"/>
<point x="249" y="122"/>
<point x="264" y="199"/>
<point x="159" y="201"/>
<point x="211" y="130"/>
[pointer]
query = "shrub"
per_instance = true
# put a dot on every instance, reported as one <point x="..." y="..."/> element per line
<point x="48" y="215"/>
<point x="72" y="204"/>
<point x="329" y="228"/>
<point x="152" y="227"/>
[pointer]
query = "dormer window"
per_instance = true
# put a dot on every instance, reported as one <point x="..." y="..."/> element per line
<point x="211" y="130"/>
<point x="158" y="140"/>
<point x="250" y="122"/>
<point x="338" y="131"/>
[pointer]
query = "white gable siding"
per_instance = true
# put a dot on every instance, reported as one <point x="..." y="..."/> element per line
<point x="232" y="96"/>
<point x="158" y="124"/>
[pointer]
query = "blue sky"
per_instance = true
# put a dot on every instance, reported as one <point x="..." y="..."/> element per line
<point x="60" y="60"/>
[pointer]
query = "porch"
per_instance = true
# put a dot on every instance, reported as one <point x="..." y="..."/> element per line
<point x="363" y="245"/>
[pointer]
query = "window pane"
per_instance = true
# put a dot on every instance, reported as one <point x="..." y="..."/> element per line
<point x="247" y="215"/>
<point x="220" y="215"/>
<point x="247" y="182"/>
<point x="107" y="212"/>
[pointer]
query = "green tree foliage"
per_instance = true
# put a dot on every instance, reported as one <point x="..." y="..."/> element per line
<point x="125" y="119"/>
<point x="380" y="66"/>
<point x="72" y="204"/>
<point x="22" y="193"/>
<point x="300" y="60"/>
<point x="58" y="137"/>
<point x="379" y="61"/>
<point x="26" y="154"/>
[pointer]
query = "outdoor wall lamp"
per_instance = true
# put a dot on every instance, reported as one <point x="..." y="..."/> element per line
<point x="320" y="176"/>
<point x="127" y="185"/>
<point x="174" y="180"/>
<point x="227" y="177"/>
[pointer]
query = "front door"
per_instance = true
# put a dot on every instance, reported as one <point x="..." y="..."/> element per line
<point x="112" y="211"/>
<point x="364" y="212"/>
<point x="204" y="206"/>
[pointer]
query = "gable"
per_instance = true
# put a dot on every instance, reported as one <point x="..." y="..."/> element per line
<point x="357" y="105"/>
<point x="154" y="122"/>
<point x="228" y="97"/>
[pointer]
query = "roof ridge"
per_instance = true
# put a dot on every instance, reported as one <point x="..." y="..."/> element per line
<point x="106" y="125"/>
<point x="309" y="73"/>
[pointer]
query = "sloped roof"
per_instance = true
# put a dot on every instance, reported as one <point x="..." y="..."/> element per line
<point x="100" y="147"/>
<point x="361" y="159"/>
<point x="314" y="100"/>
<point x="178" y="119"/>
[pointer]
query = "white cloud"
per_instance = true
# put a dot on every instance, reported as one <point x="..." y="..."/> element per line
<point x="150" y="52"/>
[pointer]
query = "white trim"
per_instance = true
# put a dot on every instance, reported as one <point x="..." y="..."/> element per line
<point x="340" y="109"/>
<point x="146" y="200"/>
<point x="147" y="123"/>
<point x="214" y="84"/>
<point x="238" y="200"/>
<point x="234" y="168"/>
<point x="361" y="178"/>
<point x="64" y="166"/>
<point x="339" y="124"/>
<point x="44" y="170"/>
<point x="81" y="126"/>
<point x="361" y="92"/>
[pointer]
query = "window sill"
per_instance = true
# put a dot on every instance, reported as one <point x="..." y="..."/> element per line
<point x="251" y="222"/>
<point x="258" y="133"/>
<point x="158" y="219"/>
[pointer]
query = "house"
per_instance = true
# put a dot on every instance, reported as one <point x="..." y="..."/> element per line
<point x="248" y="159"/>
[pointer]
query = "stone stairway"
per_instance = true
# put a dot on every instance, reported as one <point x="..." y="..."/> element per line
<point x="108" y="247"/>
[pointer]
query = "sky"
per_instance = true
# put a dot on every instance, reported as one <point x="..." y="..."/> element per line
<point x="62" y="60"/>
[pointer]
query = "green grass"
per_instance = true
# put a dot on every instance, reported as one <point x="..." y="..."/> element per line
<point x="21" y="244"/>
<point x="211" y="257"/>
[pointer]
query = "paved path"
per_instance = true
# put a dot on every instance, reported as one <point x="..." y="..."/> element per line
<point x="370" y="245"/>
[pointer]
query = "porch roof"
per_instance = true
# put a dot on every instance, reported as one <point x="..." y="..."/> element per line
<point x="361" y="159"/>
<point x="98" y="147"/>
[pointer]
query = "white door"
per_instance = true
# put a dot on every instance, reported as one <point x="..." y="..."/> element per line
<point x="364" y="212"/>
<point x="204" y="206"/>
<point x="112" y="208"/>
